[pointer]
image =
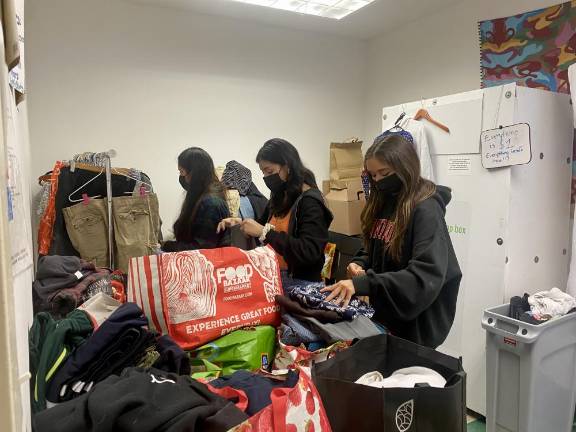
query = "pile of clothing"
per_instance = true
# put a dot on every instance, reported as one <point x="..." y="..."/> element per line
<point x="68" y="357"/>
<point x="65" y="282"/>
<point x="143" y="400"/>
<point x="541" y="307"/>
<point x="309" y="320"/>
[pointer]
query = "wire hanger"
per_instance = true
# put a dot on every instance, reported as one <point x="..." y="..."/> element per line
<point x="424" y="114"/>
<point x="84" y="185"/>
<point x="115" y="171"/>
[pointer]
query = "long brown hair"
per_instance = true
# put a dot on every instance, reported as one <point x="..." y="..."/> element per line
<point x="400" y="155"/>
<point x="199" y="165"/>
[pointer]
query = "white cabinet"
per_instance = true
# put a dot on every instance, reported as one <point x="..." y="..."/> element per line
<point x="509" y="226"/>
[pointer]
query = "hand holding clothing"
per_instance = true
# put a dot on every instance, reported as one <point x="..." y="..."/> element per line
<point x="251" y="228"/>
<point x="228" y="223"/>
<point x="341" y="292"/>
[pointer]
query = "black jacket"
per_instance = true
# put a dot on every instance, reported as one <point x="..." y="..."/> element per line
<point x="303" y="246"/>
<point x="142" y="401"/>
<point x="416" y="298"/>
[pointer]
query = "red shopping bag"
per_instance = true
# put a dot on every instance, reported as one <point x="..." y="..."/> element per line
<point x="198" y="296"/>
<point x="297" y="409"/>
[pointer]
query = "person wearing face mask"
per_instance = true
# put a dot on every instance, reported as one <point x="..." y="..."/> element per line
<point x="204" y="205"/>
<point x="296" y="220"/>
<point x="408" y="267"/>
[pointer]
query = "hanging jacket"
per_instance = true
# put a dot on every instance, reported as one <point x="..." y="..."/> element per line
<point x="415" y="298"/>
<point x="302" y="247"/>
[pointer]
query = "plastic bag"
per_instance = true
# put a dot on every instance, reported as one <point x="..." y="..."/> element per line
<point x="248" y="349"/>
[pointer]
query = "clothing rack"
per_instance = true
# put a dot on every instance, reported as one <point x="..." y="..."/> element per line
<point x="110" y="154"/>
<point x="108" y="172"/>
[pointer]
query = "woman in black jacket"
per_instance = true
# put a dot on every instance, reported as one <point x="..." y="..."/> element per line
<point x="204" y="205"/>
<point x="408" y="268"/>
<point x="296" y="221"/>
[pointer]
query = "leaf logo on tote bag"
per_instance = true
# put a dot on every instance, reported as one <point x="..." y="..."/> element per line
<point x="404" y="416"/>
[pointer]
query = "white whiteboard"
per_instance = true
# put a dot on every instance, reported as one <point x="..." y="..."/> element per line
<point x="506" y="146"/>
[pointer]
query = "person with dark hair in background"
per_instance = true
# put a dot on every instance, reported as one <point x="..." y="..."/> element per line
<point x="296" y="221"/>
<point x="204" y="205"/>
<point x="408" y="268"/>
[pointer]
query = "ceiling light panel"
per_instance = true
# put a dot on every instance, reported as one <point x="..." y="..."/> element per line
<point x="335" y="9"/>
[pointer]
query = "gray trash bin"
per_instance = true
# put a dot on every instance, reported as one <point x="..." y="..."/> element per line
<point x="530" y="373"/>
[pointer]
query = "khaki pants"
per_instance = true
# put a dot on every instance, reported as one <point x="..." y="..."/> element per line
<point x="136" y="228"/>
<point x="87" y="226"/>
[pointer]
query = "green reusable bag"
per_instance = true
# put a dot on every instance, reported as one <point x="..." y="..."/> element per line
<point x="251" y="348"/>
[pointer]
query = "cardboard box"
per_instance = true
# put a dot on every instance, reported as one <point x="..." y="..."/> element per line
<point x="347" y="216"/>
<point x="326" y="187"/>
<point x="346" y="190"/>
<point x="346" y="160"/>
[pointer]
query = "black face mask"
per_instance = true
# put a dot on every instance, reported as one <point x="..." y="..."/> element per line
<point x="275" y="183"/>
<point x="390" y="185"/>
<point x="183" y="182"/>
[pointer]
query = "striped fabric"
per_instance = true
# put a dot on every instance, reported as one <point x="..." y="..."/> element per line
<point x="144" y="290"/>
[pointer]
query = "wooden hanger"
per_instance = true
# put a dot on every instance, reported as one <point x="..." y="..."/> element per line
<point x="423" y="114"/>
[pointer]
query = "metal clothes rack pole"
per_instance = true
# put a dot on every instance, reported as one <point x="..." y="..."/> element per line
<point x="110" y="155"/>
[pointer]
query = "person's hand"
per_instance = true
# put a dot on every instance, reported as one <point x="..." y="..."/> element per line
<point x="341" y="292"/>
<point x="354" y="269"/>
<point x="228" y="223"/>
<point x="251" y="228"/>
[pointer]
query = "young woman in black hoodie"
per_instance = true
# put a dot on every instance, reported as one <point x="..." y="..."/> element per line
<point x="296" y="221"/>
<point x="408" y="268"/>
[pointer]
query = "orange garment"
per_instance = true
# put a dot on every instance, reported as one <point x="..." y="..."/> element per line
<point x="46" y="227"/>
<point x="281" y="224"/>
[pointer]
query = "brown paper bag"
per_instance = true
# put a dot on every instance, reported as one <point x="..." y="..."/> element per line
<point x="346" y="161"/>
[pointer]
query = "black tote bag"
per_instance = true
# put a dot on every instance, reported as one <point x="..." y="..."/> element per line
<point x="356" y="407"/>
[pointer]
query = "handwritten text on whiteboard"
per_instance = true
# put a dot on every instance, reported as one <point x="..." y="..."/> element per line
<point x="506" y="146"/>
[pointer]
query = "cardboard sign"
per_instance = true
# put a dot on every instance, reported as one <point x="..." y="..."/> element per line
<point x="506" y="146"/>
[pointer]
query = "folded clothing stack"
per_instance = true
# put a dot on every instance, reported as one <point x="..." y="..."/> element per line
<point x="309" y="320"/>
<point x="309" y="295"/>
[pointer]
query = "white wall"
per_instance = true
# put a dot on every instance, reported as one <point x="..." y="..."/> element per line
<point x="150" y="82"/>
<point x="435" y="56"/>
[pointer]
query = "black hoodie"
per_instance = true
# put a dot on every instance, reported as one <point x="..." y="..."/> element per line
<point x="416" y="298"/>
<point x="303" y="246"/>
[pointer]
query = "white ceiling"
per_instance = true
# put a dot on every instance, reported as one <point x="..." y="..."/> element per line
<point x="373" y="20"/>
